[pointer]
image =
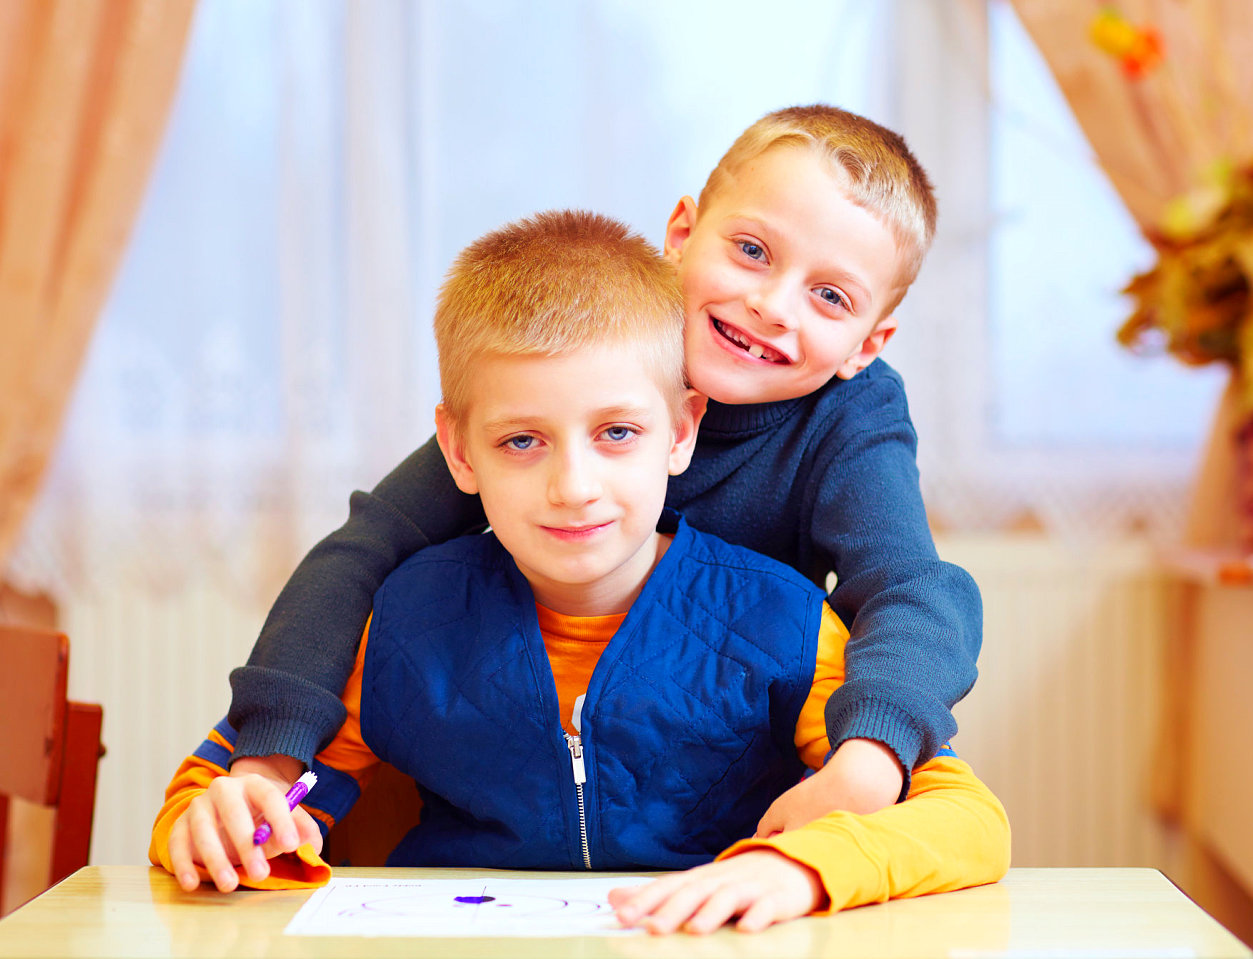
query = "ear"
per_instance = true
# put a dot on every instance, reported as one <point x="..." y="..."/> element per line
<point x="870" y="347"/>
<point x="679" y="228"/>
<point x="452" y="445"/>
<point x="686" y="425"/>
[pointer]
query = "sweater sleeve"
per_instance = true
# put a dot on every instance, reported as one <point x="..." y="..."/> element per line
<point x="286" y="699"/>
<point x="915" y="621"/>
<point x="344" y="768"/>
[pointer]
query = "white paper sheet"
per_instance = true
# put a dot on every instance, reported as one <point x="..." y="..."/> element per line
<point x="483" y="906"/>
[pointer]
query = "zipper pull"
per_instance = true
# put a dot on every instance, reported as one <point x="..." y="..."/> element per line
<point x="575" y="745"/>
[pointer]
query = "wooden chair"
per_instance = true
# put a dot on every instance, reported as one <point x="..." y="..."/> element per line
<point x="50" y="746"/>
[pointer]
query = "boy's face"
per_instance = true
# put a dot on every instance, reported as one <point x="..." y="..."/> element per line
<point x="571" y="455"/>
<point x="786" y="281"/>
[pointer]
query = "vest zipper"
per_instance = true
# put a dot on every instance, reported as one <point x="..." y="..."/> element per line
<point x="575" y="745"/>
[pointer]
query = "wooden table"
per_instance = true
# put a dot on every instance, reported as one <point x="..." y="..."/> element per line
<point x="138" y="911"/>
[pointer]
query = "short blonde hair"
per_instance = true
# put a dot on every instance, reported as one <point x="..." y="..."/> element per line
<point x="552" y="283"/>
<point x="882" y="174"/>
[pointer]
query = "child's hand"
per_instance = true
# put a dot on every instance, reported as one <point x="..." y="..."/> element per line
<point x="760" y="886"/>
<point x="216" y="830"/>
<point x="862" y="776"/>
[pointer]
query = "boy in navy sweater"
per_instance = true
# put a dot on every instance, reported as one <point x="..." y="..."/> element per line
<point x="805" y="239"/>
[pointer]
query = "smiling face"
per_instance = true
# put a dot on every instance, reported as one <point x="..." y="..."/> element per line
<point x="786" y="281"/>
<point x="570" y="455"/>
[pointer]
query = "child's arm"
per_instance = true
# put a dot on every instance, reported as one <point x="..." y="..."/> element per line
<point x="204" y="830"/>
<point x="286" y="699"/>
<point x="916" y="621"/>
<point x="950" y="833"/>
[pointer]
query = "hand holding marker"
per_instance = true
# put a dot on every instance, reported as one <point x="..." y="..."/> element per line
<point x="300" y="788"/>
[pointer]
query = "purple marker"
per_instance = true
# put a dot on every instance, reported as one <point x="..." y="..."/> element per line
<point x="299" y="789"/>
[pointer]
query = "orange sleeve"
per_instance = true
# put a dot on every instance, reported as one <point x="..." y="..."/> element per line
<point x="950" y="832"/>
<point x="299" y="870"/>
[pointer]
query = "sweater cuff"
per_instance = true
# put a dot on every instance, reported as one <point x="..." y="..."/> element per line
<point x="277" y="712"/>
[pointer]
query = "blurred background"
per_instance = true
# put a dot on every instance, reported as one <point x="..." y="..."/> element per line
<point x="223" y="224"/>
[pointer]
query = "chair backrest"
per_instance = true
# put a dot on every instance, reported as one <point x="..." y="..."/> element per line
<point x="51" y="746"/>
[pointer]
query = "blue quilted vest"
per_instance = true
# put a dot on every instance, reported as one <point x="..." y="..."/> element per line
<point x="687" y="728"/>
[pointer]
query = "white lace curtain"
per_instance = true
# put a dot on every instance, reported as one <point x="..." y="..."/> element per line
<point x="266" y="346"/>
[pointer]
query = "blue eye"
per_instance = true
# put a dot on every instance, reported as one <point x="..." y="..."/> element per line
<point x="752" y="250"/>
<point x="520" y="443"/>
<point x="832" y="297"/>
<point x="619" y="433"/>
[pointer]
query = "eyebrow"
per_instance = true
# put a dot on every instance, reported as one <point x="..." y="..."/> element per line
<point x="505" y="424"/>
<point x="625" y="413"/>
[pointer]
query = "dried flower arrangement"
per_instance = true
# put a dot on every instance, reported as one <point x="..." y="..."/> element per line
<point x="1197" y="300"/>
<point x="1197" y="303"/>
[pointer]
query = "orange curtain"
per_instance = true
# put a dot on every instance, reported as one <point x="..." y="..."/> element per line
<point x="1163" y="127"/>
<point x="85" y="87"/>
<point x="1155" y="132"/>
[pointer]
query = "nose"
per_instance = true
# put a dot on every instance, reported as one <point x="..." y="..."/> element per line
<point x="574" y="480"/>
<point x="771" y="302"/>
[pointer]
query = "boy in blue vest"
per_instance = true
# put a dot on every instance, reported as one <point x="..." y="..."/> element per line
<point x="805" y="238"/>
<point x="592" y="684"/>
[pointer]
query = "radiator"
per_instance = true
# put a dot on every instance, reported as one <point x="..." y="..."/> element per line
<point x="1062" y="723"/>
<point x="160" y="666"/>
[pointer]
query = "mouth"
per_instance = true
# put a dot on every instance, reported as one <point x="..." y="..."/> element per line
<point x="575" y="534"/>
<point x="758" y="351"/>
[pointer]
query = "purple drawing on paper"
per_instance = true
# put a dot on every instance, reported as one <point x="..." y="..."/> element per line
<point x="465" y="907"/>
<point x="432" y="905"/>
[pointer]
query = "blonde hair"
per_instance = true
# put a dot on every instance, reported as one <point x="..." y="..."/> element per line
<point x="553" y="283"/>
<point x="882" y="174"/>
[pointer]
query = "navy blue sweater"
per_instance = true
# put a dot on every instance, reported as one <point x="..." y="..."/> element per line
<point x="825" y="483"/>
